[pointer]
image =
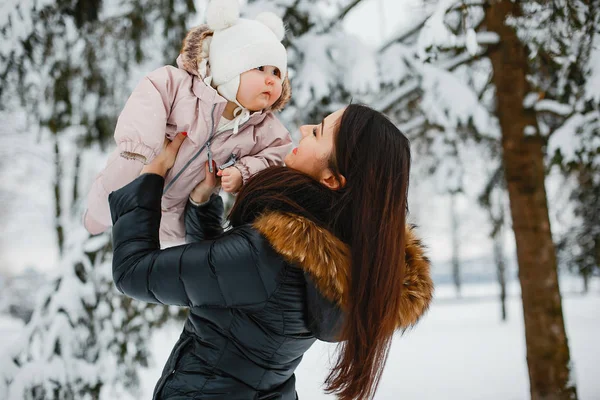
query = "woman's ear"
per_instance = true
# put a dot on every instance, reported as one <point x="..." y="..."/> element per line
<point x="332" y="181"/>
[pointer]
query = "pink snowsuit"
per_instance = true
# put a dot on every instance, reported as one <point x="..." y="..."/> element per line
<point x="167" y="101"/>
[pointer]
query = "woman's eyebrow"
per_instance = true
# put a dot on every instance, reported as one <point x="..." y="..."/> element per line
<point x="322" y="126"/>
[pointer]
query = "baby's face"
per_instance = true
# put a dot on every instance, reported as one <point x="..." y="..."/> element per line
<point x="260" y="87"/>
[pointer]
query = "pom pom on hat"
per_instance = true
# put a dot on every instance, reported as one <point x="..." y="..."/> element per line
<point x="222" y="14"/>
<point x="273" y="22"/>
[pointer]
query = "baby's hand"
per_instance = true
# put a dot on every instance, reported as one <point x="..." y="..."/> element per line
<point x="231" y="179"/>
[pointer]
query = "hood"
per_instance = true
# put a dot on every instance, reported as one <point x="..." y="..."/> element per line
<point x="327" y="267"/>
<point x="195" y="49"/>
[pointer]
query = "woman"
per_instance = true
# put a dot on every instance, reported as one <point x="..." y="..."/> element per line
<point x="318" y="250"/>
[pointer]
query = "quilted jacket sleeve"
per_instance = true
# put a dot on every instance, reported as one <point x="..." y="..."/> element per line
<point x="204" y="221"/>
<point x="223" y="272"/>
<point x="324" y="318"/>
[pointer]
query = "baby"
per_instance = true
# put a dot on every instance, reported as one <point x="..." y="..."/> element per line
<point x="232" y="77"/>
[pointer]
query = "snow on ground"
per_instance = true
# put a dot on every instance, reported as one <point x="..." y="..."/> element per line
<point x="460" y="350"/>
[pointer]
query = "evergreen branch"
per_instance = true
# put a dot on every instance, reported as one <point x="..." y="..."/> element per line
<point x="392" y="98"/>
<point x="340" y="16"/>
<point x="483" y="39"/>
<point x="417" y="122"/>
<point x="387" y="102"/>
<point x="467" y="4"/>
<point x="554" y="107"/>
<point x="405" y="33"/>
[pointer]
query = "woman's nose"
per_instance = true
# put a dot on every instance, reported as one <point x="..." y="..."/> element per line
<point x="305" y="130"/>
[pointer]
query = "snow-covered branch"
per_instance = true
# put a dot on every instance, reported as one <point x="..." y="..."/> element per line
<point x="413" y="124"/>
<point x="480" y="38"/>
<point x="460" y="59"/>
<point x="554" y="107"/>
<point x="340" y="16"/>
<point x="409" y="87"/>
<point x="387" y="101"/>
<point x="577" y="137"/>
<point x="405" y="32"/>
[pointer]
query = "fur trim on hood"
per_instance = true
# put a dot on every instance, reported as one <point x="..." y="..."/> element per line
<point x="328" y="262"/>
<point x="195" y="49"/>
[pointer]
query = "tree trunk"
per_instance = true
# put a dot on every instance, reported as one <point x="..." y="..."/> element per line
<point x="76" y="182"/>
<point x="455" y="244"/>
<point x="499" y="259"/>
<point x="58" y="225"/>
<point x="547" y="348"/>
<point x="500" y="270"/>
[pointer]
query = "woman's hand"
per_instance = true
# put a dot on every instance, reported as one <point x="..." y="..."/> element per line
<point x="202" y="191"/>
<point x="166" y="158"/>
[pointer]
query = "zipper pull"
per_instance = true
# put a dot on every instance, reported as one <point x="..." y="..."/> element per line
<point x="210" y="159"/>
<point x="229" y="163"/>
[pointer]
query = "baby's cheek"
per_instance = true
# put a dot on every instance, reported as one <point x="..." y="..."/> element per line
<point x="278" y="92"/>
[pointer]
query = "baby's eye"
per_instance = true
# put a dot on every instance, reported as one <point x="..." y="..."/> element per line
<point x="261" y="68"/>
<point x="277" y="72"/>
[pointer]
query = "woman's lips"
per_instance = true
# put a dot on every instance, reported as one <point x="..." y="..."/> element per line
<point x="295" y="150"/>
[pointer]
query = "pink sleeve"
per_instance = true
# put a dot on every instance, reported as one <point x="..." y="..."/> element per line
<point x="269" y="155"/>
<point x="119" y="171"/>
<point x="142" y="124"/>
<point x="139" y="134"/>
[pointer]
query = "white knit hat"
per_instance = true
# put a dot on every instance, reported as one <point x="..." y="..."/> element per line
<point x="239" y="45"/>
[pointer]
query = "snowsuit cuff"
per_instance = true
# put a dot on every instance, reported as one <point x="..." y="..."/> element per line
<point x="244" y="171"/>
<point x="136" y="151"/>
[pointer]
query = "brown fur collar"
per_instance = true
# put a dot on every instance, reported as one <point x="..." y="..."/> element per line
<point x="194" y="50"/>
<point x="294" y="237"/>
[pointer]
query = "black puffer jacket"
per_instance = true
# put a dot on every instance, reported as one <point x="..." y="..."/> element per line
<point x="259" y="295"/>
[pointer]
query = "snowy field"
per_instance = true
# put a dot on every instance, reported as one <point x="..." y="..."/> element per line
<point x="460" y="350"/>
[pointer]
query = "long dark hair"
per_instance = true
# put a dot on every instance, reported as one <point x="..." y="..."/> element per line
<point x="285" y="190"/>
<point x="374" y="157"/>
<point x="369" y="214"/>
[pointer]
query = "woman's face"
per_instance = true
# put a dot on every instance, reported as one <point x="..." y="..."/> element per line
<point x="315" y="148"/>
